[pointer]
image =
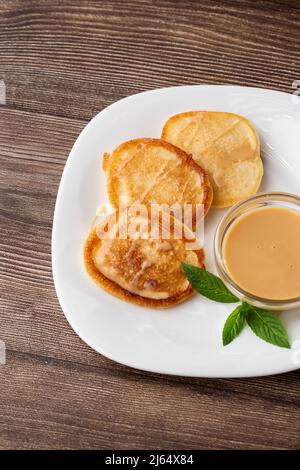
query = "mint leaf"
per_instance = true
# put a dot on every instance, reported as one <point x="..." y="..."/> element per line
<point x="208" y="284"/>
<point x="267" y="326"/>
<point x="234" y="324"/>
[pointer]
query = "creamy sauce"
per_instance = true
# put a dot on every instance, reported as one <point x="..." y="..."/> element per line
<point x="262" y="253"/>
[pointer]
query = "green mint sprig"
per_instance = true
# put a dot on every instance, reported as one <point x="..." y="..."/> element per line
<point x="234" y="325"/>
<point x="265" y="324"/>
<point x="208" y="284"/>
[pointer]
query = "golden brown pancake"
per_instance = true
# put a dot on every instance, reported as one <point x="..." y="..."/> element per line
<point x="144" y="271"/>
<point x="151" y="171"/>
<point x="226" y="145"/>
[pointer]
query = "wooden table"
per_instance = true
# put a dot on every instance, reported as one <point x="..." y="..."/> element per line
<point x="62" y="62"/>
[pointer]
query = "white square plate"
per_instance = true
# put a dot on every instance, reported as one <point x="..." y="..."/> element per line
<point x="186" y="339"/>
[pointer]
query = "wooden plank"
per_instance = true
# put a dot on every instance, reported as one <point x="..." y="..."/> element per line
<point x="59" y="405"/>
<point x="72" y="60"/>
<point x="55" y="391"/>
<point x="33" y="151"/>
<point x="63" y="62"/>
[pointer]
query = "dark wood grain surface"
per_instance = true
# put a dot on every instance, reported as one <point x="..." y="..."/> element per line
<point x="62" y="62"/>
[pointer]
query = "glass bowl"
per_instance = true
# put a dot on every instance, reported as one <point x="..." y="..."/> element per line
<point x="257" y="201"/>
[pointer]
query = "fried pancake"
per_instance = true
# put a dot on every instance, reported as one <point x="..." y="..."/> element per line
<point x="226" y="145"/>
<point x="145" y="271"/>
<point x="151" y="171"/>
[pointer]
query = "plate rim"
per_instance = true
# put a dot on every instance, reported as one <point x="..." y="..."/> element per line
<point x="68" y="315"/>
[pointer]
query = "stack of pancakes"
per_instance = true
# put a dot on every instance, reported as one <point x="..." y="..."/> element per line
<point x="202" y="159"/>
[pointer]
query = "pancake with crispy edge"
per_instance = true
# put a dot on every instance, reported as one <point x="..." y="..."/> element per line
<point x="144" y="266"/>
<point x="226" y="145"/>
<point x="151" y="171"/>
